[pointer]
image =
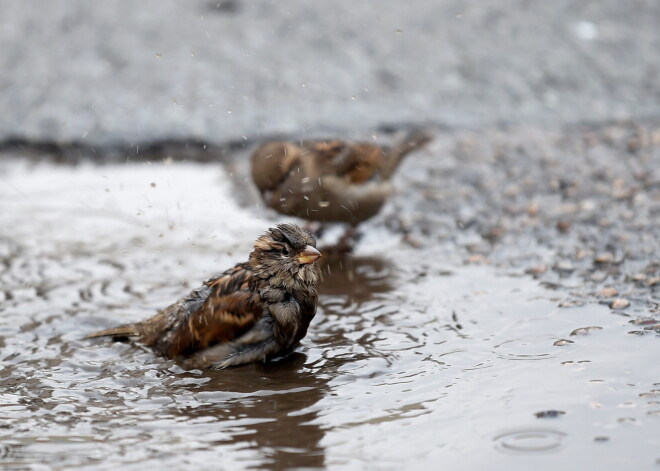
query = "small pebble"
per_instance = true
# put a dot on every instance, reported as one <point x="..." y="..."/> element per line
<point x="606" y="257"/>
<point x="634" y="143"/>
<point x="564" y="266"/>
<point x="653" y="393"/>
<point x="587" y="205"/>
<point x="619" y="303"/>
<point x="653" y="281"/>
<point x="552" y="413"/>
<point x="533" y="209"/>
<point x="412" y="241"/>
<point x="563" y="226"/>
<point x="476" y="259"/>
<point x="585" y="330"/>
<point x="581" y="253"/>
<point x="627" y="420"/>
<point x="654" y="327"/>
<point x="644" y="321"/>
<point x="607" y="292"/>
<point x="537" y="270"/>
<point x="571" y="303"/>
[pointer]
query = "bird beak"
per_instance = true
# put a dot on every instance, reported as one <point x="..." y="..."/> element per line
<point x="309" y="255"/>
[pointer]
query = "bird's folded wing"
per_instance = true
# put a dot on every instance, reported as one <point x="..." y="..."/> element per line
<point x="221" y="310"/>
<point x="222" y="318"/>
<point x="271" y="163"/>
<point x="234" y="279"/>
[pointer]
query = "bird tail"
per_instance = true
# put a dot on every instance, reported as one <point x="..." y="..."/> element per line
<point x="123" y="331"/>
<point x="410" y="142"/>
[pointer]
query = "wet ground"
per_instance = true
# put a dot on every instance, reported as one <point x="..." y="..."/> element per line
<point x="499" y="313"/>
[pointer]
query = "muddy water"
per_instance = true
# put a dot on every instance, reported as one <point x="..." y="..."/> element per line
<point x="413" y="362"/>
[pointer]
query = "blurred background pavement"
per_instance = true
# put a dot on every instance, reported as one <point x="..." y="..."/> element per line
<point x="124" y="72"/>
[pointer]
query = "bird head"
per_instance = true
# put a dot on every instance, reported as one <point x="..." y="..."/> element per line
<point x="286" y="256"/>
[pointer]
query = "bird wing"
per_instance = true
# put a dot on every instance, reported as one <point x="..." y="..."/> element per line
<point x="364" y="162"/>
<point x="334" y="157"/>
<point x="357" y="162"/>
<point x="221" y="310"/>
<point x="271" y="163"/>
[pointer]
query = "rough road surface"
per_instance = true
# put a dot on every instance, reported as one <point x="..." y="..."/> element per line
<point x="216" y="70"/>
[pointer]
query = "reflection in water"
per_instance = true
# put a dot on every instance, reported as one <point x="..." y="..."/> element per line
<point x="359" y="279"/>
<point x="272" y="407"/>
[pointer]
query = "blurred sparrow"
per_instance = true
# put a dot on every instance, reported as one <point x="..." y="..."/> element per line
<point x="254" y="311"/>
<point x="329" y="181"/>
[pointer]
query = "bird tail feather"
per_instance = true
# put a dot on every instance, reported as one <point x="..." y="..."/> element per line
<point x="412" y="141"/>
<point x="128" y="330"/>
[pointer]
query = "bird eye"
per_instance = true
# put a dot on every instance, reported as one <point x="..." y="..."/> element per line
<point x="285" y="250"/>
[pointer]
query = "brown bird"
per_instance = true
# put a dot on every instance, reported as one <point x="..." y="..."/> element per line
<point x="329" y="181"/>
<point x="254" y="311"/>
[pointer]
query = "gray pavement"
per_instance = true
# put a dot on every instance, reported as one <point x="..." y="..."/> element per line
<point x="128" y="72"/>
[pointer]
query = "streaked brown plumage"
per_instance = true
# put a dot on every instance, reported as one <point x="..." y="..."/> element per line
<point x="329" y="181"/>
<point x="252" y="312"/>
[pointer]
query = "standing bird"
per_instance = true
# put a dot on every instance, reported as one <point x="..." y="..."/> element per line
<point x="254" y="311"/>
<point x="329" y="181"/>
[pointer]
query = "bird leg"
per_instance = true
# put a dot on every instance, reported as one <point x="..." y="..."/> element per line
<point x="347" y="241"/>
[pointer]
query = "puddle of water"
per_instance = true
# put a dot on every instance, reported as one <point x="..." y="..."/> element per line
<point x="412" y="360"/>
